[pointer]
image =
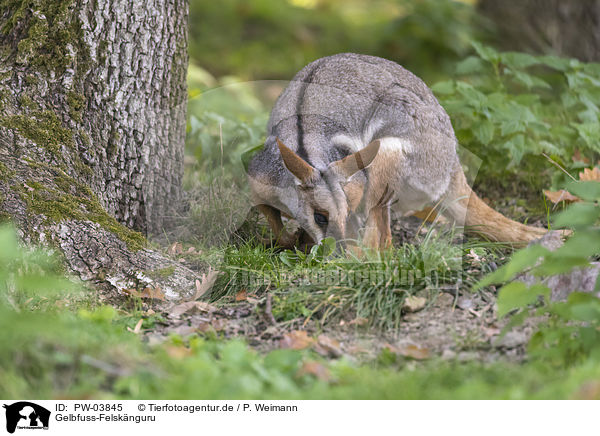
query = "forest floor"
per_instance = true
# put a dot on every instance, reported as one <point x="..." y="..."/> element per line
<point x="451" y="322"/>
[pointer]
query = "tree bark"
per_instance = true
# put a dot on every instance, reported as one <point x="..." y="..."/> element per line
<point x="92" y="128"/>
<point x="564" y="27"/>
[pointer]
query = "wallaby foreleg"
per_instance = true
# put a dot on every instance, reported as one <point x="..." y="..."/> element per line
<point x="378" y="231"/>
<point x="282" y="237"/>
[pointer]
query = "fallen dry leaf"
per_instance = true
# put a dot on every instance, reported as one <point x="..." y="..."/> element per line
<point x="588" y="391"/>
<point x="428" y="214"/>
<point x="588" y="175"/>
<point x="491" y="331"/>
<point x="359" y="321"/>
<point x="413" y="303"/>
<point x="155" y="293"/>
<point x="312" y="367"/>
<point x="578" y="158"/>
<point x="177" y="351"/>
<point x="296" y="340"/>
<point x="219" y="324"/>
<point x="356" y="349"/>
<point x="241" y="295"/>
<point x="206" y="282"/>
<point x="414" y="352"/>
<point x="190" y="306"/>
<point x="474" y="255"/>
<point x="326" y="346"/>
<point x="175" y="248"/>
<point x="409" y="350"/>
<point x="562" y="195"/>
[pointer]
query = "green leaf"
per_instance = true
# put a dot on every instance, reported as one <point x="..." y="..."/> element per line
<point x="471" y="65"/>
<point x="529" y="81"/>
<point x="583" y="243"/>
<point x="474" y="97"/>
<point x="517" y="295"/>
<point x="520" y="261"/>
<point x="486" y="52"/>
<point x="484" y="131"/>
<point x="586" y="312"/>
<point x="560" y="265"/>
<point x="587" y="190"/>
<point x="590" y="132"/>
<point x="518" y="60"/>
<point x="512" y="126"/>
<point x="560" y="64"/>
<point x="445" y="87"/>
<point x="516" y="148"/>
<point x="245" y="156"/>
<point x="577" y="215"/>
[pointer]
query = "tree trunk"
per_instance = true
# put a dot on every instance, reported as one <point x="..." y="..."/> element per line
<point x="564" y="27"/>
<point x="92" y="127"/>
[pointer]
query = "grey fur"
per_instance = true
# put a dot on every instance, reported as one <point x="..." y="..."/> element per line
<point x="365" y="98"/>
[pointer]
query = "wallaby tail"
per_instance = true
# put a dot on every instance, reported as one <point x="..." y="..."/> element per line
<point x="466" y="208"/>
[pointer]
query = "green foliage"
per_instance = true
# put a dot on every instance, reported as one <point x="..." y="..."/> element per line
<point x="509" y="108"/>
<point x="430" y="37"/>
<point x="570" y="331"/>
<point x="273" y="39"/>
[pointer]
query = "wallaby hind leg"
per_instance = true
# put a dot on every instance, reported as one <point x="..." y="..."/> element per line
<point x="282" y="237"/>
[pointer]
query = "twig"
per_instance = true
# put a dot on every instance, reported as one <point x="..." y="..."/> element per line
<point x="553" y="162"/>
<point x="269" y="308"/>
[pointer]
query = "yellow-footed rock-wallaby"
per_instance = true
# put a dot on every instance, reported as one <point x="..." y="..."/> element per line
<point x="353" y="136"/>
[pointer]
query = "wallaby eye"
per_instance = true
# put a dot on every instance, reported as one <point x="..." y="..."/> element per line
<point x="321" y="219"/>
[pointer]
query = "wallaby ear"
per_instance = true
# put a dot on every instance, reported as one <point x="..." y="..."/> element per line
<point x="359" y="160"/>
<point x="295" y="164"/>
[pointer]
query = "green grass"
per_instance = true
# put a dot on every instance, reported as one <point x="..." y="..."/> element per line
<point x="329" y="287"/>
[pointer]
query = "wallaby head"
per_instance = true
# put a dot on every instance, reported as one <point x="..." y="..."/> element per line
<point x="327" y="197"/>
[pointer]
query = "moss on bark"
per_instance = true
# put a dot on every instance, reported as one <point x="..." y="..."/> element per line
<point x="45" y="33"/>
<point x="76" y="103"/>
<point x="6" y="173"/>
<point x="73" y="200"/>
<point x="43" y="127"/>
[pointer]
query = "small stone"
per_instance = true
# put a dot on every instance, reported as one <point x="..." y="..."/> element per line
<point x="512" y="340"/>
<point x="414" y="303"/>
<point x="448" y="354"/>
<point x="466" y="356"/>
<point x="445" y="299"/>
<point x="411" y="317"/>
<point x="465" y="303"/>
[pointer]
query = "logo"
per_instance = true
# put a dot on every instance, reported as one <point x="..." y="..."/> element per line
<point x="26" y="415"/>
